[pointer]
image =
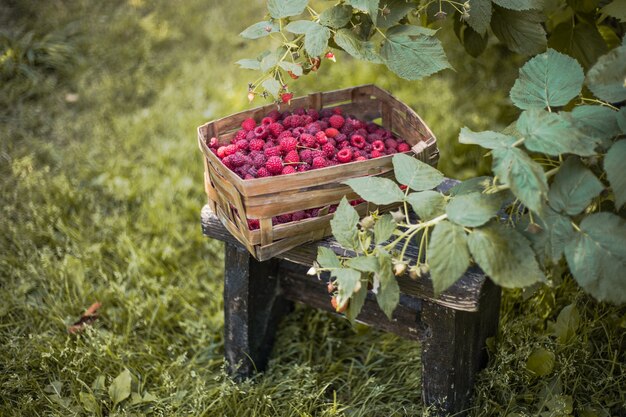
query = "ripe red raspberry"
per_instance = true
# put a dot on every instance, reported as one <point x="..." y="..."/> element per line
<point x="297" y="132"/>
<point x="221" y="152"/>
<point x="331" y="132"/>
<point x="274" y="115"/>
<point x="275" y="129"/>
<point x="329" y="150"/>
<point x="303" y="167"/>
<point x="403" y="147"/>
<point x="308" y="140"/>
<point x="284" y="134"/>
<point x="284" y="218"/>
<point x="344" y="155"/>
<point x="358" y="141"/>
<point x="344" y="144"/>
<point x="274" y="165"/>
<point x="287" y="122"/>
<point x="377" y="154"/>
<point x="241" y="134"/>
<point x="378" y="146"/>
<point x="336" y="121"/>
<point x="312" y="128"/>
<point x="391" y="143"/>
<point x="263" y="172"/>
<point x="230" y="149"/>
<point x="321" y="138"/>
<point x="288" y="170"/>
<point x="319" y="162"/>
<point x="361" y="158"/>
<point x="298" y="215"/>
<point x="314" y="212"/>
<point x="242" y="145"/>
<point x="266" y="121"/>
<point x="299" y="111"/>
<point x="248" y="124"/>
<point x="227" y="161"/>
<point x="297" y="121"/>
<point x="256" y="144"/>
<point x="292" y="157"/>
<point x="213" y="143"/>
<point x="337" y="110"/>
<point x="288" y="144"/>
<point x="305" y="156"/>
<point x="273" y="151"/>
<point x="261" y="132"/>
<point x="313" y="114"/>
<point x="373" y="137"/>
<point x="253" y="224"/>
<point x="316" y="153"/>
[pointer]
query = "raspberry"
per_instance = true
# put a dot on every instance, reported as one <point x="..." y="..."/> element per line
<point x="288" y="144"/>
<point x="284" y="218"/>
<point x="242" y="145"/>
<point x="298" y="215"/>
<point x="326" y="113"/>
<point x="221" y="152"/>
<point x="248" y="177"/>
<point x="258" y="160"/>
<point x="250" y="135"/>
<point x="378" y="146"/>
<point x="308" y="140"/>
<point x="313" y="114"/>
<point x="319" y="162"/>
<point x="248" y="124"/>
<point x="253" y="224"/>
<point x="358" y="141"/>
<point x="256" y="144"/>
<point x="341" y="137"/>
<point x="274" y="165"/>
<point x="296" y="121"/>
<point x="237" y="159"/>
<point x="230" y="149"/>
<point x="274" y="115"/>
<point x="336" y="121"/>
<point x="391" y="143"/>
<point x="313" y="128"/>
<point x="331" y="132"/>
<point x="261" y="132"/>
<point x="266" y="121"/>
<point x="275" y="129"/>
<point x="241" y="134"/>
<point x="305" y="156"/>
<point x="292" y="157"/>
<point x="323" y="124"/>
<point x="271" y="152"/>
<point x="376" y="154"/>
<point x="213" y="143"/>
<point x="337" y="110"/>
<point x="371" y="127"/>
<point x="227" y="161"/>
<point x="403" y="147"/>
<point x="329" y="150"/>
<point x="321" y="138"/>
<point x="391" y="151"/>
<point x="252" y="171"/>
<point x="373" y="137"/>
<point x="303" y="167"/>
<point x="344" y="144"/>
<point x="287" y="122"/>
<point x="314" y="212"/>
<point x="288" y="170"/>
<point x="361" y="158"/>
<point x="297" y="132"/>
<point x="344" y="155"/>
<point x="284" y="134"/>
<point x="317" y="153"/>
<point x="263" y="172"/>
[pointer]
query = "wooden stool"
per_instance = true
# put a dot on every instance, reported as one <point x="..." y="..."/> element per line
<point x="452" y="328"/>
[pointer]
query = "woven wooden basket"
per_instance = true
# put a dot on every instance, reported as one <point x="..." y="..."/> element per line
<point x="233" y="200"/>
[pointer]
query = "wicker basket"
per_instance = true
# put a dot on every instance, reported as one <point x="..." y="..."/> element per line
<point x="233" y="199"/>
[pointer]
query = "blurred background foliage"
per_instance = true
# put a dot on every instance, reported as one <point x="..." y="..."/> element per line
<point x="100" y="195"/>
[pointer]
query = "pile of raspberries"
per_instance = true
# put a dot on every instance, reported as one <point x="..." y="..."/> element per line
<point x="286" y="143"/>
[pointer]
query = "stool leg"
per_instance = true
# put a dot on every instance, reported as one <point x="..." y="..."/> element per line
<point x="454" y="351"/>
<point x="253" y="308"/>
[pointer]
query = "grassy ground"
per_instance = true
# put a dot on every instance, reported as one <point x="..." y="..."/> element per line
<point x="100" y="196"/>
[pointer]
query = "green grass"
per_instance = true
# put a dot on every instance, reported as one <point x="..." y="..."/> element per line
<point x="100" y="200"/>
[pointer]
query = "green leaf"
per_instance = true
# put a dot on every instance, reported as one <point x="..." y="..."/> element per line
<point x="388" y="293"/>
<point x="89" y="402"/>
<point x="272" y="86"/>
<point x="347" y="281"/>
<point x="520" y="4"/>
<point x="413" y="52"/>
<point x="477" y="184"/>
<point x="581" y="41"/>
<point x="296" y="69"/>
<point x="621" y="119"/>
<point x="367" y="6"/>
<point x="120" y="387"/>
<point x="414" y="173"/>
<point x="356" y="302"/>
<point x="300" y="27"/>
<point x="550" y="79"/>
<point x="260" y="30"/>
<point x="427" y="204"/>
<point x="553" y="134"/>
<point x="487" y="139"/>
<point x="525" y="176"/>
<point x="268" y="61"/>
<point x="521" y="32"/>
<point x="448" y="255"/>
<point x="327" y="258"/>
<point x="557" y="232"/>
<point x="479" y="15"/>
<point x="344" y="225"/>
<point x="574" y="188"/>
<point x="365" y="51"/>
<point x="473" y="209"/>
<point x="383" y="229"/>
<point x="252" y="64"/>
<point x="376" y="190"/>
<point x="363" y="263"/>
<point x="316" y="40"/>
<point x="567" y="324"/>
<point x="392" y="11"/>
<point x="616" y="9"/>
<point x="585" y="6"/>
<point x="606" y="78"/>
<point x="540" y="362"/>
<point x="596" y="122"/>
<point x="615" y="167"/>
<point x="597" y="257"/>
<point x="336" y="16"/>
<point x="505" y="256"/>
<point x="473" y="42"/>
<point x="286" y="8"/>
